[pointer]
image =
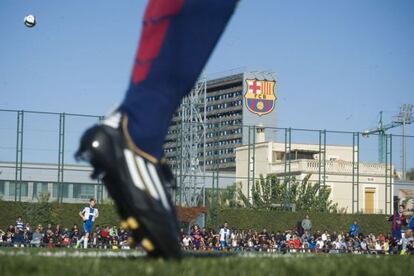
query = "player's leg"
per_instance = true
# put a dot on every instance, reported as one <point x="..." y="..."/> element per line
<point x="176" y="40"/>
<point x="88" y="229"/>
<point x="85" y="240"/>
<point x="78" y="242"/>
<point x="126" y="149"/>
<point x="85" y="231"/>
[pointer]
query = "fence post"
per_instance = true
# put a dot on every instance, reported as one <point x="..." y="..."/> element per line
<point x="19" y="156"/>
<point x="61" y="157"/>
<point x="288" y="146"/>
<point x="100" y="184"/>
<point x="322" y="162"/>
<point x="355" y="172"/>
<point x="388" y="173"/>
<point x="248" y="164"/>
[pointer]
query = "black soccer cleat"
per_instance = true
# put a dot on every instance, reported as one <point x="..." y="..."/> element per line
<point x="137" y="183"/>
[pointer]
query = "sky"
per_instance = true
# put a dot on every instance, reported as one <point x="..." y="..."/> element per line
<point x="337" y="63"/>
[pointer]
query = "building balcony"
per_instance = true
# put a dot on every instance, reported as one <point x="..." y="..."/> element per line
<point x="337" y="167"/>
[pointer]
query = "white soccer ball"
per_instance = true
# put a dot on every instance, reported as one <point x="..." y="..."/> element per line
<point x="30" y="20"/>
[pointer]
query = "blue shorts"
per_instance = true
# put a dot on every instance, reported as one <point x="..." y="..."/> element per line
<point x="87" y="226"/>
<point x="396" y="234"/>
<point x="223" y="244"/>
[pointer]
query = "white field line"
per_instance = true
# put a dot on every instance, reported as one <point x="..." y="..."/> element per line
<point x="82" y="253"/>
<point x="76" y="254"/>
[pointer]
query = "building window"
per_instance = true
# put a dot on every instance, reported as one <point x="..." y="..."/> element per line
<point x="2" y="187"/>
<point x="83" y="191"/>
<point x="39" y="188"/>
<point x="18" y="190"/>
<point x="61" y="189"/>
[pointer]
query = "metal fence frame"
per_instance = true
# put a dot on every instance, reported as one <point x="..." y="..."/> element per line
<point x="215" y="179"/>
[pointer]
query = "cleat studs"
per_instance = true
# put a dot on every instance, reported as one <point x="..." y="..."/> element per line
<point x="131" y="241"/>
<point x="147" y="245"/>
<point x="132" y="223"/>
<point x="124" y="225"/>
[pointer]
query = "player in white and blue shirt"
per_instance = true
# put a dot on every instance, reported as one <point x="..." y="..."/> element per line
<point x="88" y="215"/>
<point x="224" y="236"/>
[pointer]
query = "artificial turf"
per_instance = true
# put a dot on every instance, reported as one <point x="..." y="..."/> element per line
<point x="62" y="262"/>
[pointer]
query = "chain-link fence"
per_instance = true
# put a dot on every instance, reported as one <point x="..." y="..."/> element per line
<point x="232" y="165"/>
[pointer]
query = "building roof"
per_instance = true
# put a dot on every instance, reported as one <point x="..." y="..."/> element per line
<point x="189" y="214"/>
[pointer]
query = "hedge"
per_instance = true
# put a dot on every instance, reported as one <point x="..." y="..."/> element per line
<point x="276" y="220"/>
<point x="66" y="215"/>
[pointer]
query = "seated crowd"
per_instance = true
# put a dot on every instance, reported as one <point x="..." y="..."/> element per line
<point x="202" y="239"/>
<point x="23" y="235"/>
<point x="292" y="241"/>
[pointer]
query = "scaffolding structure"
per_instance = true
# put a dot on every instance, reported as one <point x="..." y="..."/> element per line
<point x="191" y="175"/>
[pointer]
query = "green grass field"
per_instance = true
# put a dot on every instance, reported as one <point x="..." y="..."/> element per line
<point x="61" y="262"/>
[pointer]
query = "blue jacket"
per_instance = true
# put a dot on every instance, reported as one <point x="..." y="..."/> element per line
<point x="354" y="229"/>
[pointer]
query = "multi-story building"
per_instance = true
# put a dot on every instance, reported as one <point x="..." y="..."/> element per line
<point x="43" y="179"/>
<point x="231" y="102"/>
<point x="354" y="185"/>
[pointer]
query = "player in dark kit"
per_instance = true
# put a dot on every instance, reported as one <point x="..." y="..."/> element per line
<point x="125" y="149"/>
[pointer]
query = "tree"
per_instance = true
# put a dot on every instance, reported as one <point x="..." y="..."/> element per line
<point x="226" y="197"/>
<point x="410" y="174"/>
<point x="271" y="191"/>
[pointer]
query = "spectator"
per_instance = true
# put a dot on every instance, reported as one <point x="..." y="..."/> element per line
<point x="96" y="237"/>
<point x="10" y="234"/>
<point x="49" y="239"/>
<point x="75" y="236"/>
<point x="48" y="228"/>
<point x="406" y="240"/>
<point x="364" y="246"/>
<point x="19" y="224"/>
<point x="58" y="230"/>
<point x="105" y="236"/>
<point x="28" y="228"/>
<point x="354" y="229"/>
<point x="196" y="236"/>
<point x="234" y="239"/>
<point x="409" y="243"/>
<point x="397" y="221"/>
<point x="225" y="235"/>
<point x="306" y="237"/>
<point x="386" y="247"/>
<point x="325" y="236"/>
<point x="319" y="245"/>
<point x="306" y="224"/>
<point x="66" y="240"/>
<point x="334" y="236"/>
<point x="27" y="237"/>
<point x="411" y="224"/>
<point x="18" y="239"/>
<point x="113" y="232"/>
<point x="40" y="227"/>
<point x="186" y="242"/>
<point x="295" y="243"/>
<point x="2" y="236"/>
<point x="36" y="238"/>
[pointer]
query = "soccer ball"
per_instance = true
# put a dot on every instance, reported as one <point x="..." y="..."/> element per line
<point x="30" y="20"/>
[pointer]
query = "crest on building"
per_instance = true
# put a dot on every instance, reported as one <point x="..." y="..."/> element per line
<point x="260" y="96"/>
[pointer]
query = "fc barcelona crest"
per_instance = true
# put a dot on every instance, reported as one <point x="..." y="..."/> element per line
<point x="260" y="96"/>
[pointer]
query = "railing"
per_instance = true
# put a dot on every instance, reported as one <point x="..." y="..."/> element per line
<point x="332" y="167"/>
